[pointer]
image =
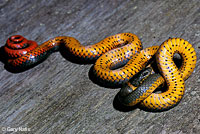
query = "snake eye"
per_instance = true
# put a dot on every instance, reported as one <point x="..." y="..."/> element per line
<point x="145" y="73"/>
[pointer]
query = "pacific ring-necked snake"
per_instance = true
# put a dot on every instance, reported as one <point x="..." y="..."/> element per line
<point x="110" y="53"/>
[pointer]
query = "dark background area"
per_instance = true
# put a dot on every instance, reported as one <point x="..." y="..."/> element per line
<point x="57" y="96"/>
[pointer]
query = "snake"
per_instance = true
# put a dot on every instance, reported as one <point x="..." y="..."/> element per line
<point x="144" y="95"/>
<point x="24" y="53"/>
<point x="118" y="58"/>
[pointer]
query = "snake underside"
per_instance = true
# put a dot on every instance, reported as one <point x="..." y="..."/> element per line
<point x="124" y="50"/>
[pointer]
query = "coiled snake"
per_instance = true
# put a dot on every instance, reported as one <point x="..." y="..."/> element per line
<point x="114" y="51"/>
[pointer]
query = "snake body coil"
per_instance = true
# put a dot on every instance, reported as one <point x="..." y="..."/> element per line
<point x="173" y="76"/>
<point x="26" y="53"/>
<point x="112" y="52"/>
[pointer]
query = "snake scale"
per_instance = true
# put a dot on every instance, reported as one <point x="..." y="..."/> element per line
<point x="124" y="50"/>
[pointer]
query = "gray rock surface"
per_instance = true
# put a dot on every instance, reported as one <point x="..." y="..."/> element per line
<point x="57" y="95"/>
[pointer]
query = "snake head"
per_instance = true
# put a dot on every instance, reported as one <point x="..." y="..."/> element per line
<point x="136" y="81"/>
<point x="141" y="76"/>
